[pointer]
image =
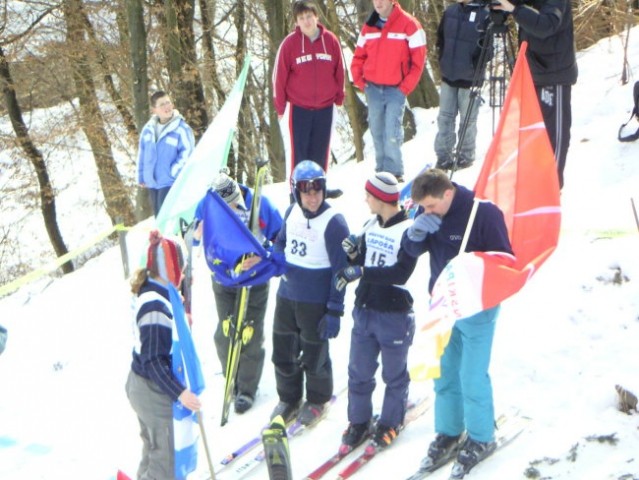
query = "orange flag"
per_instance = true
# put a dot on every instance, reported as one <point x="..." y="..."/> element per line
<point x="520" y="176"/>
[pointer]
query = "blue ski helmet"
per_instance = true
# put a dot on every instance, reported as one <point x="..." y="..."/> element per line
<point x="307" y="176"/>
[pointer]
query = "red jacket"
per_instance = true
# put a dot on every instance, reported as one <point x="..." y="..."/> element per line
<point x="308" y="74"/>
<point x="394" y="55"/>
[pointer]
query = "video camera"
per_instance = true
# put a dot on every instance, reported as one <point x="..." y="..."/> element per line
<point x="483" y="3"/>
<point x="498" y="17"/>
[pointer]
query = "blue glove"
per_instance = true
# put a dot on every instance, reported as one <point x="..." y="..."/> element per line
<point x="350" y="245"/>
<point x="423" y="225"/>
<point x="328" y="326"/>
<point x="347" y="275"/>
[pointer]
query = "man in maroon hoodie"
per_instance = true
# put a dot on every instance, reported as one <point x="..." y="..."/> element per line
<point x="309" y="76"/>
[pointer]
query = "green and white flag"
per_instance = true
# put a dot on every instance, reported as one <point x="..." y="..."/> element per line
<point x="204" y="164"/>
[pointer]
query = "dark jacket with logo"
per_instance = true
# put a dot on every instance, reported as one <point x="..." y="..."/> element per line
<point x="488" y="234"/>
<point x="547" y="27"/>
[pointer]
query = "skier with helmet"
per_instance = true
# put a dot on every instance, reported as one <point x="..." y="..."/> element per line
<point x="309" y="306"/>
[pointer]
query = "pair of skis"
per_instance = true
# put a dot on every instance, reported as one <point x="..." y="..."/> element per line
<point x="237" y="321"/>
<point x="414" y="411"/>
<point x="508" y="428"/>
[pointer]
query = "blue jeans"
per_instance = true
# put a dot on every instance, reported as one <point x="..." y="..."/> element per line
<point x="453" y="100"/>
<point x="463" y="393"/>
<point x="385" y="115"/>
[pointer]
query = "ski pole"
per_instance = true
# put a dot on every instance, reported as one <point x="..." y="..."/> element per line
<point x="206" y="445"/>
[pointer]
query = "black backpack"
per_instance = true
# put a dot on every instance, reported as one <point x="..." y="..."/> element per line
<point x="635" y="113"/>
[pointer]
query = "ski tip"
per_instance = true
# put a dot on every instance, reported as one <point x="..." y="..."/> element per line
<point x="278" y="420"/>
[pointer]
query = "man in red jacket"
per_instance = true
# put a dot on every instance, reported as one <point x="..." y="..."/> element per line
<point x="387" y="64"/>
<point x="309" y="76"/>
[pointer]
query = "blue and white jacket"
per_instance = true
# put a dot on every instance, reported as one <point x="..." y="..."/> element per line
<point x="154" y="329"/>
<point x="312" y="247"/>
<point x="161" y="159"/>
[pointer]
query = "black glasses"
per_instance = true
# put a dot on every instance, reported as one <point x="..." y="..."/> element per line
<point x="305" y="186"/>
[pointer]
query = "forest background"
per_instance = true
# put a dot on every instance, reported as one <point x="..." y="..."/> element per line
<point x="77" y="74"/>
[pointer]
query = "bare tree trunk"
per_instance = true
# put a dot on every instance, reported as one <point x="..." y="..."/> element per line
<point x="140" y="83"/>
<point x="118" y="204"/>
<point x="355" y="107"/>
<point x="182" y="64"/>
<point x="137" y="44"/>
<point x="47" y="197"/>
<point x="425" y="94"/>
<point x="244" y="119"/>
<point x="116" y="98"/>
<point x="277" y="30"/>
<point x="207" y="10"/>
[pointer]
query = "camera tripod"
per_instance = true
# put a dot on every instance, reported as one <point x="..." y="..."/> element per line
<point x="496" y="61"/>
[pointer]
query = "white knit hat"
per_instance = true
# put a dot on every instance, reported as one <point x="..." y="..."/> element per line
<point x="383" y="186"/>
<point x="229" y="190"/>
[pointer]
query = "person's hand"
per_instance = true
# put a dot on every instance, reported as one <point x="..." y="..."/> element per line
<point x="348" y="275"/>
<point x="190" y="400"/>
<point x="504" y="5"/>
<point x="350" y="245"/>
<point x="250" y="261"/>
<point x="197" y="233"/>
<point x="424" y="224"/>
<point x="328" y="326"/>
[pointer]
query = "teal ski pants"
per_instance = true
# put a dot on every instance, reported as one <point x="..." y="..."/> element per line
<point x="463" y="393"/>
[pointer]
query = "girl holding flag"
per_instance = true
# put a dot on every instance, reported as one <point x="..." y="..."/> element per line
<point x="152" y="387"/>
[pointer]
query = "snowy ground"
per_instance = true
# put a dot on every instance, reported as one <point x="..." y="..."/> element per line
<point x="562" y="343"/>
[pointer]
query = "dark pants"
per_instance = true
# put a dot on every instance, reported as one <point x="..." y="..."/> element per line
<point x="157" y="196"/>
<point x="310" y="135"/>
<point x="388" y="333"/>
<point x="554" y="101"/>
<point x="299" y="351"/>
<point x="252" y="354"/>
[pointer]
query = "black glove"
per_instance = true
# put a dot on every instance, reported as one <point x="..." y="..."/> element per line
<point x="348" y="275"/>
<point x="350" y="245"/>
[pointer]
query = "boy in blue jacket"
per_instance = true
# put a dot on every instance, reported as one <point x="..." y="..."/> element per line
<point x="166" y="143"/>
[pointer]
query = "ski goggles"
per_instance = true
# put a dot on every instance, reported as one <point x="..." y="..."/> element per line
<point x="305" y="186"/>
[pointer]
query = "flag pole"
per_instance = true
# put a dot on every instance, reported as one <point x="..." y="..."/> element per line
<point x="206" y="445"/>
<point x="634" y="210"/>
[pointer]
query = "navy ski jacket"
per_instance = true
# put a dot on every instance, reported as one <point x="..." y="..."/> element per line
<point x="315" y="285"/>
<point x="488" y="234"/>
<point x="378" y="288"/>
<point x="459" y="40"/>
